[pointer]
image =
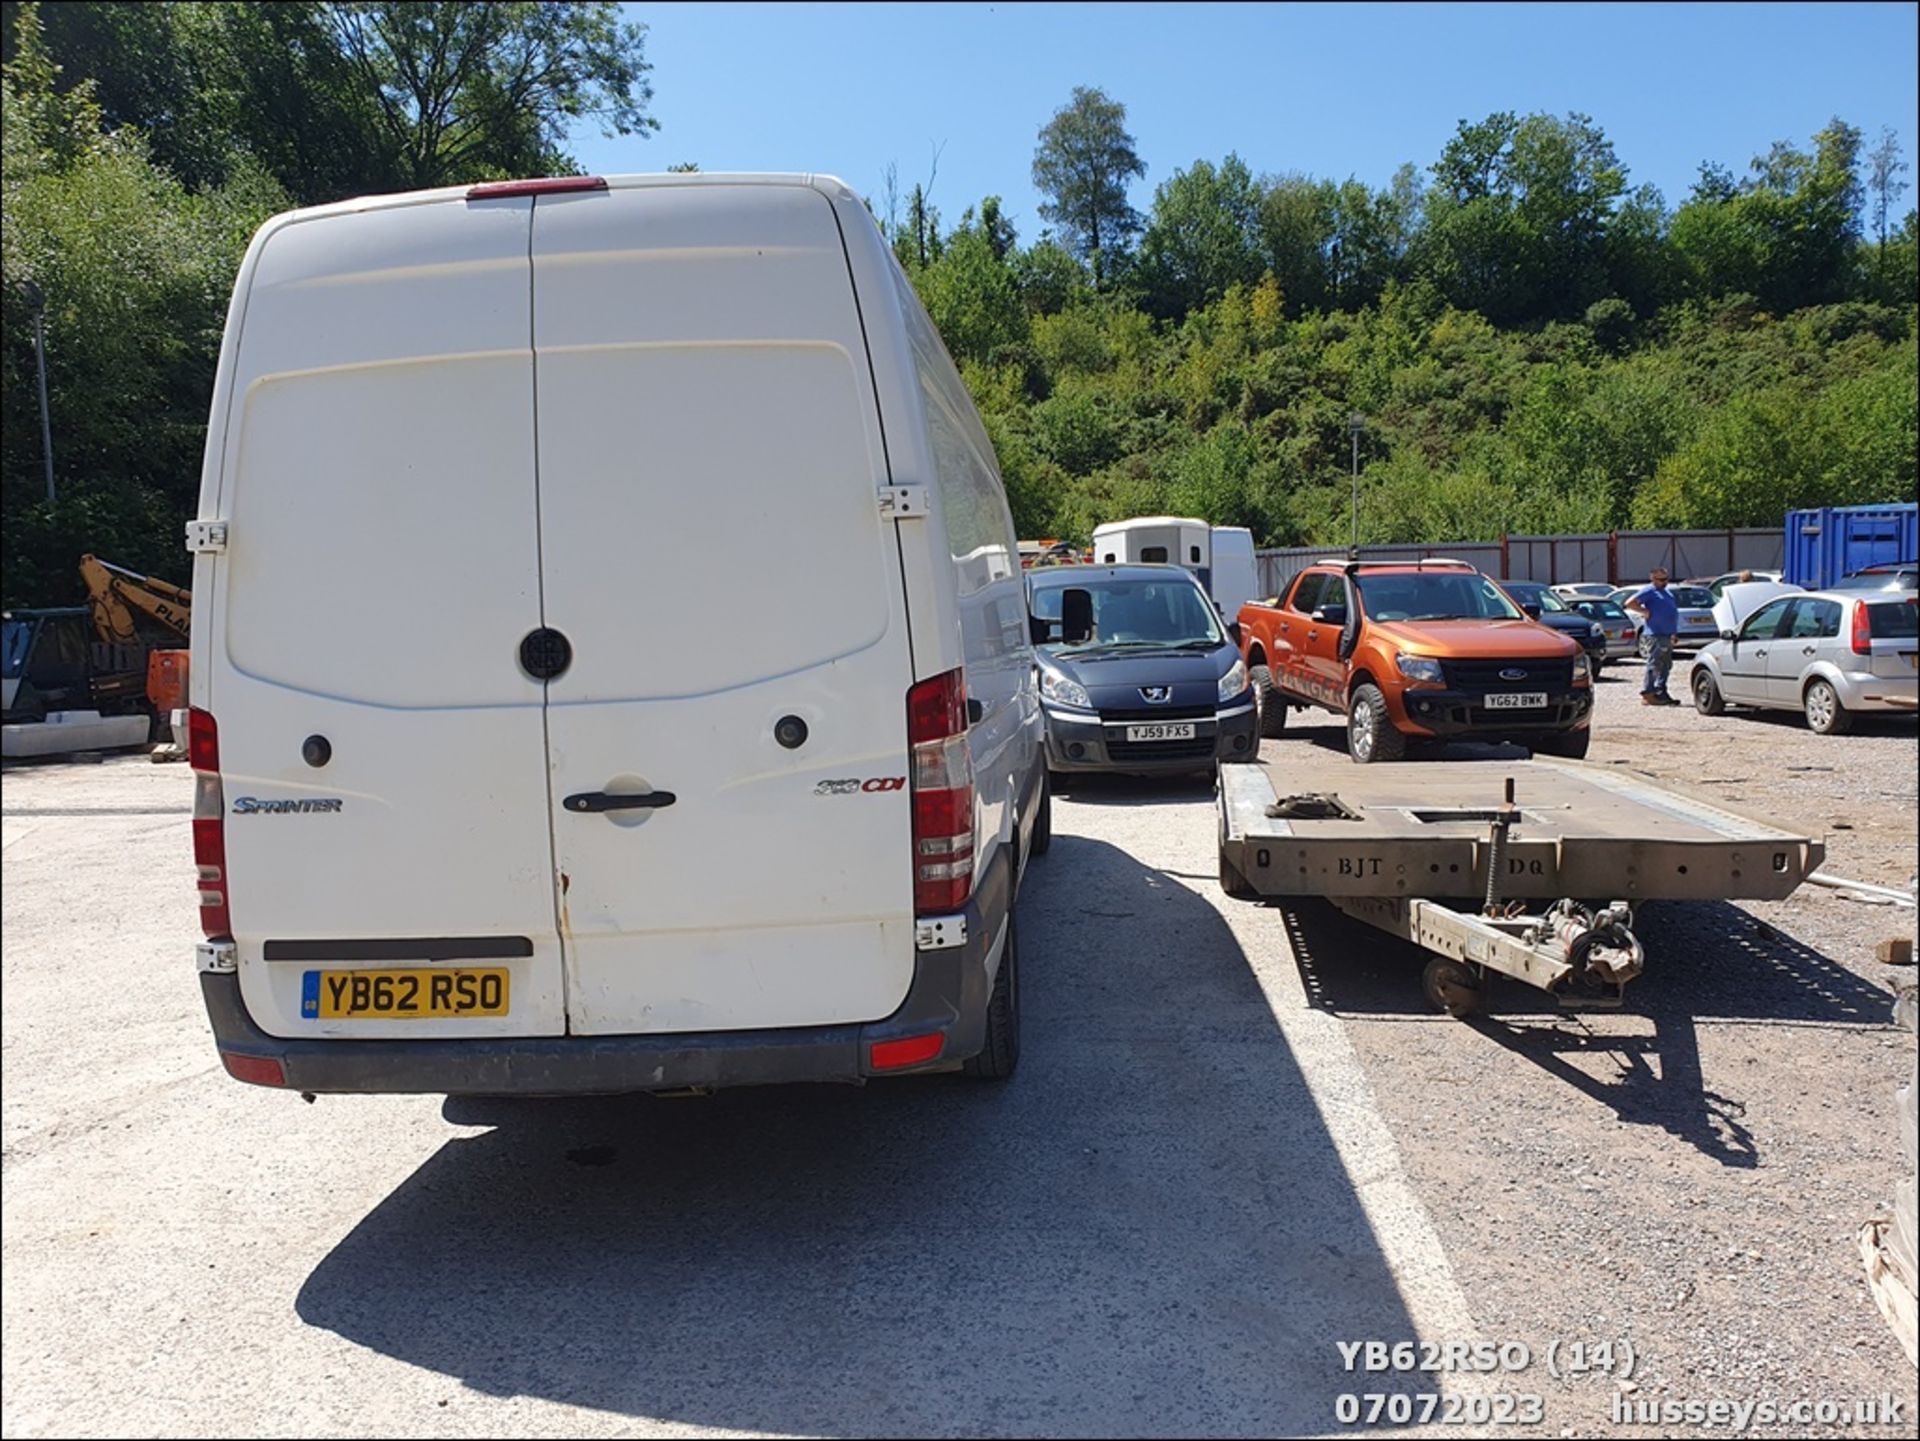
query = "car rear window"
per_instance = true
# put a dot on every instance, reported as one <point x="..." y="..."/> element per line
<point x="1892" y="620"/>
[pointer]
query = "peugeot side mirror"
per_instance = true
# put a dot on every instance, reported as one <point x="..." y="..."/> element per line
<point x="1728" y="635"/>
<point x="1076" y="615"/>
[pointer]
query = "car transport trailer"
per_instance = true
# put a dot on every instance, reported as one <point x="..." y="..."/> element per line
<point x="1494" y="865"/>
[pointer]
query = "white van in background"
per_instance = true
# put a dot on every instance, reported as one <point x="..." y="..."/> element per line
<point x="1236" y="571"/>
<point x="535" y="805"/>
<point x="1221" y="555"/>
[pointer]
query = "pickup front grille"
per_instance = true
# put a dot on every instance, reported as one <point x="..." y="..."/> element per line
<point x="1484" y="675"/>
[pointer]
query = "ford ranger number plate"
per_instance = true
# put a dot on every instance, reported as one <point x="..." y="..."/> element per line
<point x="1518" y="700"/>
<point x="1166" y="731"/>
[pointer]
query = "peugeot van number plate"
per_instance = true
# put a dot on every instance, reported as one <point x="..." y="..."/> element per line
<point x="1518" y="700"/>
<point x="1165" y="731"/>
<point x="435" y="994"/>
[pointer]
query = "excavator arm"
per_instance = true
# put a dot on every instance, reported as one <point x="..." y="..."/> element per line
<point x="116" y="593"/>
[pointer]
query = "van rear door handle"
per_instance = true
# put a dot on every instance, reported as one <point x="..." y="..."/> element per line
<point x="602" y="801"/>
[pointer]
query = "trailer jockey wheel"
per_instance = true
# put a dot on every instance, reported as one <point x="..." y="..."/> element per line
<point x="1453" y="987"/>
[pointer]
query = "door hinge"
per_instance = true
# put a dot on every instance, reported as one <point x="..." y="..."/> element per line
<point x="939" y="933"/>
<point x="208" y="535"/>
<point x="903" y="502"/>
<point x="221" y="957"/>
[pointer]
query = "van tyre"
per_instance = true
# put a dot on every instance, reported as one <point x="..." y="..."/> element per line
<point x="1825" y="715"/>
<point x="1370" y="731"/>
<point x="1570" y="745"/>
<point x="1267" y="703"/>
<point x="1001" y="1053"/>
<point x="1043" y="822"/>
<point x="1706" y="693"/>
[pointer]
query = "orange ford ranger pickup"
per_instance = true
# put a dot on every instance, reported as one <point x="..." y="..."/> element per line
<point x="1408" y="651"/>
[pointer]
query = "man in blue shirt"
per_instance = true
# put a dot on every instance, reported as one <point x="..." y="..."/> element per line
<point x="1659" y="615"/>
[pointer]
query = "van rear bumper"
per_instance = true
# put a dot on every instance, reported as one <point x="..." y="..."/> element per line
<point x="948" y="995"/>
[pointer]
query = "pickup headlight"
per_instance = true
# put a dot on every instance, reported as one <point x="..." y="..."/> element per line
<point x="1422" y="668"/>
<point x="1582" y="669"/>
<point x="1062" y="691"/>
<point x="1233" y="682"/>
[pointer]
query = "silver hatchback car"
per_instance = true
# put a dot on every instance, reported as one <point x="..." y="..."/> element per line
<point x="1827" y="654"/>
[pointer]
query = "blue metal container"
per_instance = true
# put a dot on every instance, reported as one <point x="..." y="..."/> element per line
<point x="1834" y="541"/>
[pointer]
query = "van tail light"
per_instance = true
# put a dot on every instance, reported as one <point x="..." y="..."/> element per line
<point x="942" y="794"/>
<point x="209" y="824"/>
<point x="547" y="185"/>
<point x="1862" y="629"/>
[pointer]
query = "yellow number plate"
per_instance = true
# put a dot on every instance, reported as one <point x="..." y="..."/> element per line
<point x="412" y="995"/>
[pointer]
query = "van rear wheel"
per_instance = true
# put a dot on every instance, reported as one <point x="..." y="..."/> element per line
<point x="1001" y="1053"/>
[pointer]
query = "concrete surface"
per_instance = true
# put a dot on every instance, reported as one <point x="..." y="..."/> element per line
<point x="1160" y="1226"/>
<point x="1235" y="1139"/>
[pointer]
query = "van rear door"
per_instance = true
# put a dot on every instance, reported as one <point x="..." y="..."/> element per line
<point x="713" y="550"/>
<point x="381" y="570"/>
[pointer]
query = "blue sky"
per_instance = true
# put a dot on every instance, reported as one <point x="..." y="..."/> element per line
<point x="1330" y="90"/>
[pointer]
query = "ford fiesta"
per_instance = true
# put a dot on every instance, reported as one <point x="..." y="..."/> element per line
<point x="1137" y="673"/>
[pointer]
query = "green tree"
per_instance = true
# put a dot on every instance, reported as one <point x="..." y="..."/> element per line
<point x="1518" y="219"/>
<point x="971" y="296"/>
<point x="1082" y="165"/>
<point x="469" y="90"/>
<point x="1201" y="237"/>
<point x="1789" y="235"/>
<point x="1884" y="186"/>
<point x="136" y="271"/>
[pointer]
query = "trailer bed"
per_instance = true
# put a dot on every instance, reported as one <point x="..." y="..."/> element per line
<point x="1426" y="829"/>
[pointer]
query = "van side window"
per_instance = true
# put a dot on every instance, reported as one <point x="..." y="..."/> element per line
<point x="1154" y="554"/>
<point x="1193" y="554"/>
<point x="1107" y="558"/>
<point x="1306" y="592"/>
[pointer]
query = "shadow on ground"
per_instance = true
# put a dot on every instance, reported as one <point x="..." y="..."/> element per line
<point x="1706" y="960"/>
<point x="1147" y="1231"/>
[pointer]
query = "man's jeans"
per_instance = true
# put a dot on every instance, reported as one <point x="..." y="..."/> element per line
<point x="1658" y="651"/>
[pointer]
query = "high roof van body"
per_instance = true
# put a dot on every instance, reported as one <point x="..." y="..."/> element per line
<point x="505" y="784"/>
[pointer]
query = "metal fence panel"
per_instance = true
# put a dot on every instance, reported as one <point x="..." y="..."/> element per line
<point x="1618" y="558"/>
<point x="1555" y="559"/>
<point x="1279" y="567"/>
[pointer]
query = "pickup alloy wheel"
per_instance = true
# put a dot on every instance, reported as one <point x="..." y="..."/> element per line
<point x="1267" y="702"/>
<point x="1371" y="735"/>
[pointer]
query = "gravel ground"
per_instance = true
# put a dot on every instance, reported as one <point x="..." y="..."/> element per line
<point x="1237" y="1137"/>
<point x="1689" y="1173"/>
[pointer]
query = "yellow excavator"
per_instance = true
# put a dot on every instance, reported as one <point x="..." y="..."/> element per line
<point x="134" y="663"/>
<point x="117" y="594"/>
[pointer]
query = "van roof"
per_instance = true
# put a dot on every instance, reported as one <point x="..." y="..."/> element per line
<point x="829" y="185"/>
<point x="1144" y="520"/>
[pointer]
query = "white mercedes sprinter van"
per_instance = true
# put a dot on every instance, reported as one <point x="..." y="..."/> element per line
<point x="613" y="672"/>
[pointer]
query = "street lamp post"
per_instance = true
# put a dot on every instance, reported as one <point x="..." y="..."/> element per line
<point x="37" y="302"/>
<point x="1356" y="423"/>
